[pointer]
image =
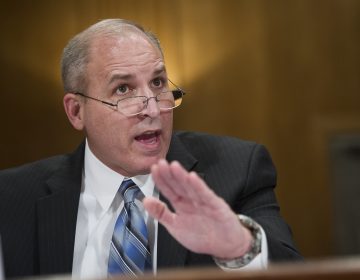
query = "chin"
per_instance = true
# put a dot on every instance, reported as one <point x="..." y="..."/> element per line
<point x="146" y="163"/>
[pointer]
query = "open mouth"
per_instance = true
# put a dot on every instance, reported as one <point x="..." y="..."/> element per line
<point x="149" y="137"/>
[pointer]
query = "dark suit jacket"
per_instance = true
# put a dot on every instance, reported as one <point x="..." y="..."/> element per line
<point x="39" y="203"/>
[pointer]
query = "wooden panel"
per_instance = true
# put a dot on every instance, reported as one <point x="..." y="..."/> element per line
<point x="257" y="69"/>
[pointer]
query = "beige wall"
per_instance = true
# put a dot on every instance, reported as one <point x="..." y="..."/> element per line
<point x="284" y="73"/>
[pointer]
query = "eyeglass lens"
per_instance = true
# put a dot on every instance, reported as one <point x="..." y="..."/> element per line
<point x="165" y="100"/>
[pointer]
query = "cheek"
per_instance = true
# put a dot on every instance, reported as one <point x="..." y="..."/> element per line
<point x="119" y="138"/>
<point x="106" y="127"/>
<point x="97" y="124"/>
<point x="167" y="121"/>
<point x="118" y="132"/>
<point x="167" y="125"/>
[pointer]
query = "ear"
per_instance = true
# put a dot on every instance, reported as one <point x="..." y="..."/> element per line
<point x="74" y="110"/>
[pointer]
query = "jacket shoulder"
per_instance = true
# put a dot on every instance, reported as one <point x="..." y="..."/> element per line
<point x="28" y="179"/>
<point x="228" y="160"/>
<point x="214" y="145"/>
<point x="32" y="176"/>
<point x="36" y="168"/>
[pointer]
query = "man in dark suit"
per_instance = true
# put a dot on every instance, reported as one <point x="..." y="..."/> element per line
<point x="211" y="202"/>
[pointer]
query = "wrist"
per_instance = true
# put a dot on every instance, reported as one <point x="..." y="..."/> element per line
<point x="248" y="240"/>
<point x="247" y="254"/>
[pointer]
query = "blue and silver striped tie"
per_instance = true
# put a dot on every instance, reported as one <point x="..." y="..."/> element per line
<point x="129" y="248"/>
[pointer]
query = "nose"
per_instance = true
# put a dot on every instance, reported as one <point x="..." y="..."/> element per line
<point x="152" y="108"/>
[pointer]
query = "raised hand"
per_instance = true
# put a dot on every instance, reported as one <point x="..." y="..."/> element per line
<point x="202" y="221"/>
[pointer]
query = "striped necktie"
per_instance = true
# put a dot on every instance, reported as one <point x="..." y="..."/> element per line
<point x="129" y="248"/>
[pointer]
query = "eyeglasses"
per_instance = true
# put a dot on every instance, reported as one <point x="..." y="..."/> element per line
<point x="134" y="105"/>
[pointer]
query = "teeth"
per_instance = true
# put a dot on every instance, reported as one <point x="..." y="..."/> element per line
<point x="150" y="133"/>
<point x="148" y="136"/>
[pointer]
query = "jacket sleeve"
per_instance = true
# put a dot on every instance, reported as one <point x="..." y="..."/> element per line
<point x="258" y="201"/>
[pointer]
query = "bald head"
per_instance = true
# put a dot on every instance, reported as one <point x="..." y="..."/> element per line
<point x="76" y="54"/>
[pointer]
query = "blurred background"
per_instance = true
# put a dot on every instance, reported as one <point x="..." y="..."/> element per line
<point x="284" y="73"/>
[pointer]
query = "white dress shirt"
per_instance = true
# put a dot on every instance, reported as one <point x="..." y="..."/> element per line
<point x="99" y="207"/>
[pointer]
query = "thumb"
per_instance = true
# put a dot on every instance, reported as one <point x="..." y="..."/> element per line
<point x="159" y="211"/>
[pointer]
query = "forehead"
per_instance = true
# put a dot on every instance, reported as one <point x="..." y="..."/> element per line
<point x="127" y="48"/>
<point x="129" y="57"/>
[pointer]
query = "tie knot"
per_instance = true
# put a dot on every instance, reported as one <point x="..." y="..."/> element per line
<point x="129" y="191"/>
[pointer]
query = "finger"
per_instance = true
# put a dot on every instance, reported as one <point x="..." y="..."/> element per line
<point x="180" y="179"/>
<point x="159" y="211"/>
<point x="169" y="183"/>
<point x="184" y="184"/>
<point x="194" y="186"/>
<point x="190" y="187"/>
<point x="168" y="180"/>
<point x="162" y="186"/>
<point x="205" y="194"/>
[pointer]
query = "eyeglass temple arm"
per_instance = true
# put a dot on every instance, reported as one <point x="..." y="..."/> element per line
<point x="178" y="91"/>
<point x="93" y="98"/>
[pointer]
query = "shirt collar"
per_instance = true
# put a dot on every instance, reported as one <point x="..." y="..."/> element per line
<point x="103" y="183"/>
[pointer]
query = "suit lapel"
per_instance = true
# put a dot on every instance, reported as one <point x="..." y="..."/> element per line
<point x="57" y="214"/>
<point x="170" y="252"/>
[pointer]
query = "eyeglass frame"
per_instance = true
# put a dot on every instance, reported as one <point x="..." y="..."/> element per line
<point x="177" y="91"/>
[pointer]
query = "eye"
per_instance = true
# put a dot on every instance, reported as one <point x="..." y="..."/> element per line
<point x="123" y="89"/>
<point x="158" y="83"/>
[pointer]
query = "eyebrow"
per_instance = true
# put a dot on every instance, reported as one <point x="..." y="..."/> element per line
<point x="160" y="70"/>
<point x="118" y="76"/>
